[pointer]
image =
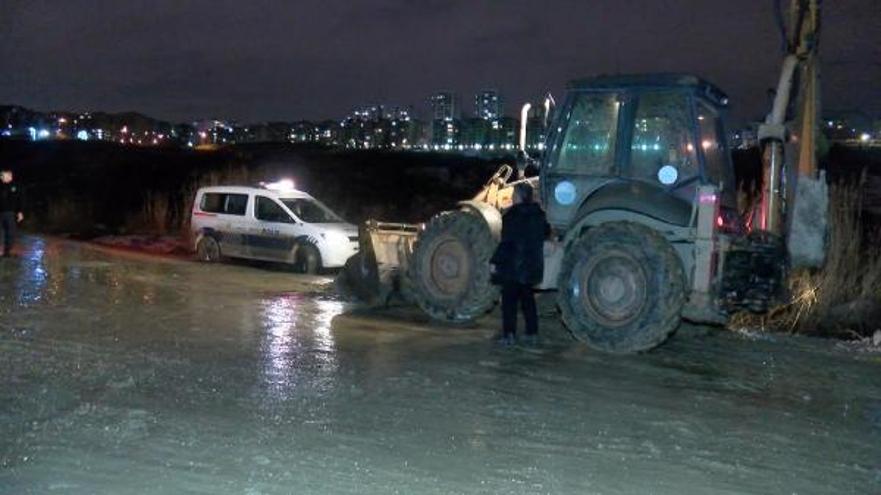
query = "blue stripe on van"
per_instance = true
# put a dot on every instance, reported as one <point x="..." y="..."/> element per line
<point x="270" y="242"/>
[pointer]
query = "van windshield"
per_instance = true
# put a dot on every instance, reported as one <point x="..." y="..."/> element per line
<point x="310" y="210"/>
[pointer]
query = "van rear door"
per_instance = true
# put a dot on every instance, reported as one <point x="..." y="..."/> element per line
<point x="228" y="220"/>
<point x="236" y="225"/>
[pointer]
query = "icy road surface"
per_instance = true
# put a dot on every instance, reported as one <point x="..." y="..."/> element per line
<point x="123" y="374"/>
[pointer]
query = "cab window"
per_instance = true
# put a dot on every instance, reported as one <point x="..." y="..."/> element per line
<point x="662" y="135"/>
<point x="713" y="146"/>
<point x="268" y="210"/>
<point x="588" y="145"/>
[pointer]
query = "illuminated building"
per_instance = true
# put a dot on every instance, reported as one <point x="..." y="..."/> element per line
<point x="443" y="106"/>
<point x="488" y="104"/>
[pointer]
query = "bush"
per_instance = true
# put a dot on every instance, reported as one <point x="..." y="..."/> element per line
<point x="842" y="298"/>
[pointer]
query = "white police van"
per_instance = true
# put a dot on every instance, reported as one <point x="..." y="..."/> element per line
<point x="274" y="222"/>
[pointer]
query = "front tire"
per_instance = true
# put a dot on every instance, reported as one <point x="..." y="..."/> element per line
<point x="449" y="275"/>
<point x="308" y="259"/>
<point x="360" y="278"/>
<point x="622" y="288"/>
<point x="208" y="250"/>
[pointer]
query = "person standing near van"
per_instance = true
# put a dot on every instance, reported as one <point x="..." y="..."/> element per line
<point x="10" y="210"/>
<point x="518" y="263"/>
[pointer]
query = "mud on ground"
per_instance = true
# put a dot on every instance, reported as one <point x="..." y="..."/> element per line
<point x="122" y="373"/>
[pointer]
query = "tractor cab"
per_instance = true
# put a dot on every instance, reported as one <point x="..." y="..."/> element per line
<point x="639" y="142"/>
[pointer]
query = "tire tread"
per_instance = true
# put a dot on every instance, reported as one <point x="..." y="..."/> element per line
<point x="662" y="315"/>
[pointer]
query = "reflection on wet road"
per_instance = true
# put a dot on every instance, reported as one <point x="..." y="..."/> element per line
<point x="125" y="374"/>
<point x="297" y="337"/>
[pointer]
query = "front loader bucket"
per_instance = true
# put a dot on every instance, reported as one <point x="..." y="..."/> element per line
<point x="375" y="274"/>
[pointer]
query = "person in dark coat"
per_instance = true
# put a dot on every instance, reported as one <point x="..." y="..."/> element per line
<point x="10" y="210"/>
<point x="518" y="263"/>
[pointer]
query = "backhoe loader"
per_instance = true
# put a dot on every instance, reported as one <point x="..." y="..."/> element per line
<point x="638" y="185"/>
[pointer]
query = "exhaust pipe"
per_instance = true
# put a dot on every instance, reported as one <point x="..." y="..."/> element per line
<point x="524" y="116"/>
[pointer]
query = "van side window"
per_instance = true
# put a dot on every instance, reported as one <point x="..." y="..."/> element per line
<point x="269" y="211"/>
<point x="236" y="204"/>
<point x="229" y="204"/>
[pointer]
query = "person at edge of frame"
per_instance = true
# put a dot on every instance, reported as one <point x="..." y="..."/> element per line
<point x="11" y="213"/>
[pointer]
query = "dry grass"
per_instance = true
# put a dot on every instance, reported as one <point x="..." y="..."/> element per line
<point x="155" y="213"/>
<point x="839" y="298"/>
<point x="64" y="216"/>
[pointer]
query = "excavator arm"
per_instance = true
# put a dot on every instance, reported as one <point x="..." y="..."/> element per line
<point x="794" y="195"/>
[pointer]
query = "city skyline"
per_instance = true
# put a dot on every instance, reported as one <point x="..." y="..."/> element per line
<point x="367" y="126"/>
<point x="485" y="130"/>
<point x="373" y="110"/>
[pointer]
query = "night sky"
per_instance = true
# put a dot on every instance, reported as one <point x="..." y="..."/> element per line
<point x="255" y="60"/>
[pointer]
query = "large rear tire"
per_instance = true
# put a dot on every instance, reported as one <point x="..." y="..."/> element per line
<point x="621" y="288"/>
<point x="449" y="275"/>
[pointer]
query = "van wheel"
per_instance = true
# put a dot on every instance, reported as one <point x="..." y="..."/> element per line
<point x="621" y="288"/>
<point x="208" y="250"/>
<point x="308" y="259"/>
